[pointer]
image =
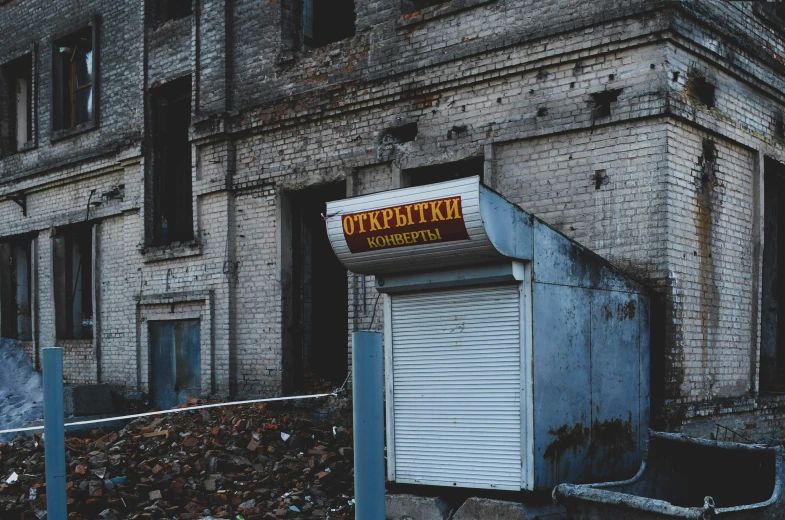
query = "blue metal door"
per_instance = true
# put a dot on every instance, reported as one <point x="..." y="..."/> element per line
<point x="175" y="356"/>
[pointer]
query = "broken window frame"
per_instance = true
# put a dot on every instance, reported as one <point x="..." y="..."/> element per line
<point x="413" y="6"/>
<point x="443" y="172"/>
<point x="66" y="87"/>
<point x="20" y="67"/>
<point x="182" y="231"/>
<point x="316" y="32"/>
<point x="70" y="280"/>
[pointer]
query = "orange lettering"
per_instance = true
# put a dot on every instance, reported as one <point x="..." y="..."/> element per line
<point x="400" y="220"/>
<point x="371" y="242"/>
<point x="432" y="236"/>
<point x="421" y="208"/>
<point x="452" y="209"/>
<point x="348" y="225"/>
<point x="359" y="218"/>
<point x="435" y="211"/>
<point x="375" y="226"/>
<point x="409" y="213"/>
<point x="387" y="215"/>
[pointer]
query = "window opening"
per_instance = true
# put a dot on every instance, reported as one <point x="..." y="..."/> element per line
<point x="327" y="21"/>
<point x="171" y="172"/>
<point x="444" y="172"/>
<point x="15" y="286"/>
<point x="73" y="282"/>
<point x="74" y="76"/>
<point x="16" y="110"/>
<point x="167" y="10"/>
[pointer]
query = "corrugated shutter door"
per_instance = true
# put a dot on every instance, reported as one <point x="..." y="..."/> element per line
<point x="456" y="387"/>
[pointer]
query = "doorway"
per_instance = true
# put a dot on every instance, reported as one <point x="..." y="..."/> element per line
<point x="175" y="362"/>
<point x="316" y="317"/>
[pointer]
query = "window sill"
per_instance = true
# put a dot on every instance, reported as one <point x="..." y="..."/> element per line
<point x="65" y="133"/>
<point x="437" y="11"/>
<point x="171" y="251"/>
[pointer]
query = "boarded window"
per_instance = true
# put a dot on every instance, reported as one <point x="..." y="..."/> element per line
<point x="15" y="284"/>
<point x="171" y="174"/>
<point x="16" y="104"/>
<point x="74" y="75"/>
<point x="327" y="21"/>
<point x="73" y="282"/>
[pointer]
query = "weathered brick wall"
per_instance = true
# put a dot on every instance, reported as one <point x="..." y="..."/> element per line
<point x="511" y="81"/>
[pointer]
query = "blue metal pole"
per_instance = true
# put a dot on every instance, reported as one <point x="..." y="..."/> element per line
<point x="54" y="434"/>
<point x="368" y="390"/>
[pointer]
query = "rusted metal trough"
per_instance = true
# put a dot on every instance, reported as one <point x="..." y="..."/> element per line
<point x="683" y="477"/>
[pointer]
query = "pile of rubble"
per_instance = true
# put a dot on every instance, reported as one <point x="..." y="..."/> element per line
<point x="239" y="462"/>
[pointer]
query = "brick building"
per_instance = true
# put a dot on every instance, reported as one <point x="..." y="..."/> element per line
<point x="164" y="166"/>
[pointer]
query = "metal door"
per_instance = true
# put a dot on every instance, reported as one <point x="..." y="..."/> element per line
<point x="456" y="387"/>
<point x="175" y="357"/>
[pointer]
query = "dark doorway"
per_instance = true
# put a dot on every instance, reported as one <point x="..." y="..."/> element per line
<point x="316" y="349"/>
<point x="175" y="362"/>
<point x="772" y="352"/>
<point x="444" y="172"/>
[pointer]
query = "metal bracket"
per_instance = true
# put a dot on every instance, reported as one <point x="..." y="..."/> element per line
<point x="21" y="199"/>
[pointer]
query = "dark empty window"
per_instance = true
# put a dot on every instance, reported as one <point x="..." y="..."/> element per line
<point x="73" y="282"/>
<point x="74" y="69"/>
<point x="444" y="172"/>
<point x="171" y="172"/>
<point x="701" y="89"/>
<point x="15" y="312"/>
<point x="16" y="104"/>
<point x="410" y="6"/>
<point x="327" y="21"/>
<point x="165" y="10"/>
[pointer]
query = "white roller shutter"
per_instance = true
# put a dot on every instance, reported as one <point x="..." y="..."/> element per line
<point x="456" y="385"/>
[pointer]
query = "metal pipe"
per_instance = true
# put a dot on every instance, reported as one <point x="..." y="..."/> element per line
<point x="54" y="433"/>
<point x="368" y="389"/>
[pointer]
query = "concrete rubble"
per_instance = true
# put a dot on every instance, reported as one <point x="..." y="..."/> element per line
<point x="242" y="462"/>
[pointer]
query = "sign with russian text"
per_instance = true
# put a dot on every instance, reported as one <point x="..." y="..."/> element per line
<point x="419" y="223"/>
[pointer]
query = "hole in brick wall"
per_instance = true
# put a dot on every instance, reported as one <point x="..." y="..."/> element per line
<point x="652" y="66"/>
<point x="572" y="84"/>
<point x="400" y="134"/>
<point x="542" y="112"/>
<point x="600" y="178"/>
<point x="327" y="21"/>
<point x="542" y="75"/>
<point x="611" y="77"/>
<point x="701" y="90"/>
<point x="456" y="131"/>
<point x="675" y="76"/>
<point x="708" y="161"/>
<point x="602" y="102"/>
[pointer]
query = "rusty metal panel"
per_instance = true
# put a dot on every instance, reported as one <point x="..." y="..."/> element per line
<point x="562" y="369"/>
<point x="175" y="358"/>
<point x="615" y="375"/>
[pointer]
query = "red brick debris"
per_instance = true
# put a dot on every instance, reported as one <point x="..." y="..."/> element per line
<point x="240" y="462"/>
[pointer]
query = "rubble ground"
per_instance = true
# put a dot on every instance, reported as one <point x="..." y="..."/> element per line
<point x="249" y="462"/>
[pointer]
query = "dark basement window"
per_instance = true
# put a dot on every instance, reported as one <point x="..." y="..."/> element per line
<point x="327" y="21"/>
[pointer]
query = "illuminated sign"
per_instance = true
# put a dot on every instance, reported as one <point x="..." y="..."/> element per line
<point x="427" y="222"/>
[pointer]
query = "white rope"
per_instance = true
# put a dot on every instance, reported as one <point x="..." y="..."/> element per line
<point x="173" y="410"/>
